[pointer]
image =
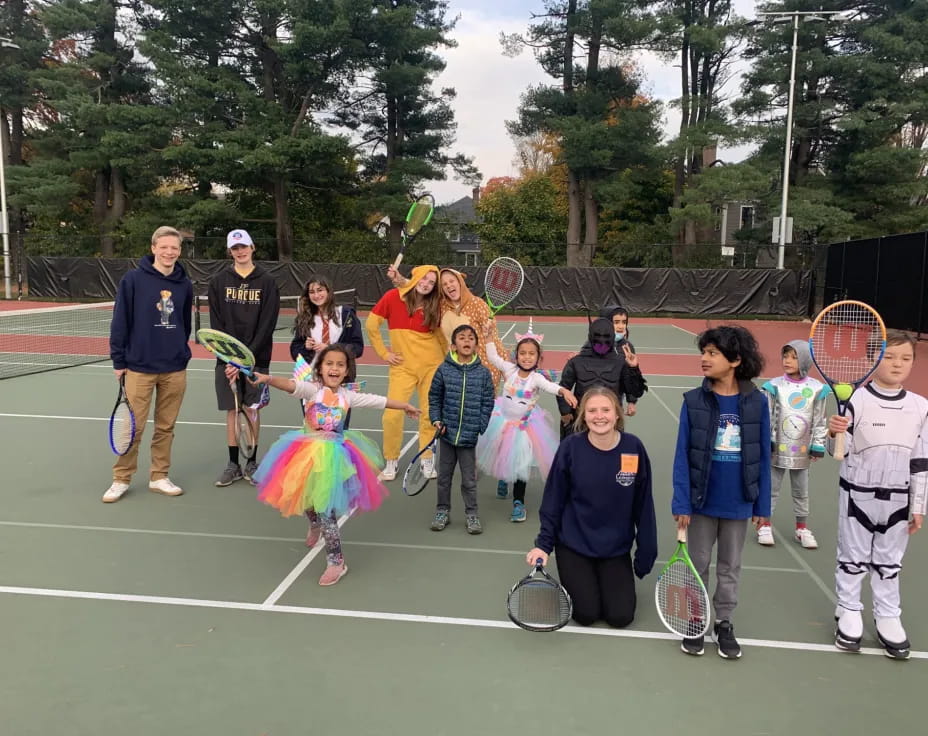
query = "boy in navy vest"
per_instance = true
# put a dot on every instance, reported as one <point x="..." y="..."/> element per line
<point x="721" y="470"/>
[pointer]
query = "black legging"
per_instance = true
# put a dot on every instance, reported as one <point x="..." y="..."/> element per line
<point x="601" y="589"/>
<point x="518" y="491"/>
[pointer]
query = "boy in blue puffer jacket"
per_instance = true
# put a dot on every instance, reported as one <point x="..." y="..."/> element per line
<point x="460" y="403"/>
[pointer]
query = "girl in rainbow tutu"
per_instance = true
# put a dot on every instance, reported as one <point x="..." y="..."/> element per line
<point x="521" y="435"/>
<point x="324" y="470"/>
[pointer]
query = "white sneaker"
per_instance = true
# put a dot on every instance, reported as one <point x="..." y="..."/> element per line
<point x="165" y="486"/>
<point x="892" y="636"/>
<point x="116" y="491"/>
<point x="428" y="467"/>
<point x="389" y="471"/>
<point x="849" y="629"/>
<point x="806" y="538"/>
<point x="765" y="535"/>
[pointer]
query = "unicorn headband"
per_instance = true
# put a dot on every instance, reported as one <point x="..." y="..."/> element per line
<point x="530" y="334"/>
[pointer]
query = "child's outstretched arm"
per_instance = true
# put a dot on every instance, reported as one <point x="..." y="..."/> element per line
<point x="282" y="384"/>
<point x="918" y="485"/>
<point x="357" y="399"/>
<point x="568" y="381"/>
<point x="493" y="354"/>
<point x="555" y="388"/>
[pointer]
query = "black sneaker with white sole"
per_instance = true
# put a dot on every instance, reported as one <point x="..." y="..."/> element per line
<point x="694" y="646"/>
<point x="723" y="633"/>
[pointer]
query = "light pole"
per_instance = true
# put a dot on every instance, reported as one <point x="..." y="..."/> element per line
<point x="5" y="43"/>
<point x="780" y="17"/>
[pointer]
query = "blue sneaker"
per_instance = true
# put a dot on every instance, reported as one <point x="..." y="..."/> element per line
<point x="518" y="512"/>
<point x="502" y="489"/>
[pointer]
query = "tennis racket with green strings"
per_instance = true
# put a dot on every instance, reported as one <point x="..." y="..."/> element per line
<point x="419" y="214"/>
<point x="234" y="352"/>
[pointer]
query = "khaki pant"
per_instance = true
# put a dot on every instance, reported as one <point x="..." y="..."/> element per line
<point x="170" y="389"/>
<point x="402" y="384"/>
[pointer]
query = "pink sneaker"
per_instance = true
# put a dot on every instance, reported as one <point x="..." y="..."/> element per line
<point x="333" y="573"/>
<point x="312" y="536"/>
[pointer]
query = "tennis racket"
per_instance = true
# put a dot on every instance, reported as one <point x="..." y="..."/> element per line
<point x="419" y="214"/>
<point x="122" y="421"/>
<point x="847" y="342"/>
<point x="681" y="598"/>
<point x="415" y="479"/>
<point x="502" y="283"/>
<point x="228" y="349"/>
<point x="244" y="429"/>
<point x="538" y="602"/>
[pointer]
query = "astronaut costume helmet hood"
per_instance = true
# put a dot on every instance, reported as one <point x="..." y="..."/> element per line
<point x="803" y="355"/>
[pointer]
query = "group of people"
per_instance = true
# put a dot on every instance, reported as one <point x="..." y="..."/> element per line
<point x="734" y="446"/>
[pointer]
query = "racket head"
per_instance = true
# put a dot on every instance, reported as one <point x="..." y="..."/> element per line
<point x="680" y="596"/>
<point x="847" y="341"/>
<point x="415" y="479"/>
<point x="419" y="215"/>
<point x="227" y="348"/>
<point x="502" y="282"/>
<point x="122" y="422"/>
<point x="538" y="602"/>
<point x="244" y="434"/>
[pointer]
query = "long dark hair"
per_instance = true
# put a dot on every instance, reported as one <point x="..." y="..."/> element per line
<point x="307" y="311"/>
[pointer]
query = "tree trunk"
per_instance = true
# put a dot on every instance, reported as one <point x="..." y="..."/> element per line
<point x="282" y="216"/>
<point x="574" y="207"/>
<point x="591" y="223"/>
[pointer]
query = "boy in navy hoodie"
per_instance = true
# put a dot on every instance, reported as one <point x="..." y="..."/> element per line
<point x="243" y="302"/>
<point x="148" y="345"/>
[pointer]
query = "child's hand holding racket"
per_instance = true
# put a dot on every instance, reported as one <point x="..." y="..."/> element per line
<point x="439" y="427"/>
<point x="837" y="424"/>
<point x="915" y="523"/>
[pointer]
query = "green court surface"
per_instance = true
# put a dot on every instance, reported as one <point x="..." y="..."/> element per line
<point x="201" y="614"/>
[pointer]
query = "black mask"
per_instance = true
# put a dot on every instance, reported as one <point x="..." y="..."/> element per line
<point x="602" y="336"/>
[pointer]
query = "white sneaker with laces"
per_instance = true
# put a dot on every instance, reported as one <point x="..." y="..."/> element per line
<point x="428" y="467"/>
<point x="806" y="538"/>
<point x="165" y="487"/>
<point x="765" y="535"/>
<point x="389" y="471"/>
<point x="116" y="491"/>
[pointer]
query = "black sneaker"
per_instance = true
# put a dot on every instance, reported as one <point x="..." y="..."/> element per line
<point x="693" y="646"/>
<point x="724" y="635"/>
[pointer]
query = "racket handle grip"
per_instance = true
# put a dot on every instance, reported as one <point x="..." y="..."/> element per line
<point x="681" y="535"/>
<point x="398" y="261"/>
<point x="839" y="446"/>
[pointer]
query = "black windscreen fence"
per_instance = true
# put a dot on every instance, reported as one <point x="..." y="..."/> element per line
<point x="752" y="291"/>
<point x="887" y="273"/>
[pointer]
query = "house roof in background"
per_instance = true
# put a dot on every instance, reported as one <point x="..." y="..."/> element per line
<point x="460" y="211"/>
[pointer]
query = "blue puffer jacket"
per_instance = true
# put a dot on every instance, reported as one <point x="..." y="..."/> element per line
<point x="461" y="398"/>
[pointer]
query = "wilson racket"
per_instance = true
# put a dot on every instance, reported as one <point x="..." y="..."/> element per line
<point x="681" y="598"/>
<point x="417" y="217"/>
<point x="228" y="349"/>
<point x="415" y="479"/>
<point x="244" y="429"/>
<point x="502" y="283"/>
<point x="847" y="342"/>
<point x="122" y="421"/>
<point x="538" y="602"/>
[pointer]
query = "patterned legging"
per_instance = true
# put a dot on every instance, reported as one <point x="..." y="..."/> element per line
<point x="330" y="531"/>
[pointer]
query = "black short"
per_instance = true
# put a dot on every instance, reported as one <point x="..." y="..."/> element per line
<point x="250" y="395"/>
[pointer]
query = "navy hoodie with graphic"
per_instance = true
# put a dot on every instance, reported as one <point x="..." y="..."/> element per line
<point x="152" y="320"/>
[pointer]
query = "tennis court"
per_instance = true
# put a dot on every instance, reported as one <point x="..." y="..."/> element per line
<point x="201" y="614"/>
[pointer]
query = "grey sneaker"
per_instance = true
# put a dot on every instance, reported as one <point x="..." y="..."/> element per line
<point x="251" y="467"/>
<point x="473" y="525"/>
<point x="228" y="476"/>
<point x="440" y="521"/>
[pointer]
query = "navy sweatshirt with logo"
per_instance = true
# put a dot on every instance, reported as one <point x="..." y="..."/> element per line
<point x="598" y="503"/>
<point x="152" y="320"/>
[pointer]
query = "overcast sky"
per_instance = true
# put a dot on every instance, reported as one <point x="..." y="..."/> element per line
<point x="489" y="85"/>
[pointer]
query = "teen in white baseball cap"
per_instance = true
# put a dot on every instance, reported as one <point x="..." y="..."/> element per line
<point x="238" y="237"/>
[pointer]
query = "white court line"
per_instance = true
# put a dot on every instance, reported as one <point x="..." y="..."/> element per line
<point x="300" y="566"/>
<point x="185" y="422"/>
<point x="311" y="555"/>
<point x="511" y="328"/>
<point x="408" y="618"/>
<point x="688" y="332"/>
<point x="292" y="540"/>
<point x="664" y="404"/>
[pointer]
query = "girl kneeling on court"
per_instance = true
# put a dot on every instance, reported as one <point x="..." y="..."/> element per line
<point x="324" y="470"/>
<point x="597" y="504"/>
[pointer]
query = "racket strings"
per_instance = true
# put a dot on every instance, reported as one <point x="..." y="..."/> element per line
<point x="504" y="281"/>
<point x="415" y="479"/>
<point x="847" y="341"/>
<point x="122" y="429"/>
<point x="419" y="215"/>
<point x="539" y="604"/>
<point x="681" y="600"/>
<point x="244" y="434"/>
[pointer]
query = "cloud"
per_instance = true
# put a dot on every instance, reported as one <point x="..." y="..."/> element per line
<point x="489" y="85"/>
